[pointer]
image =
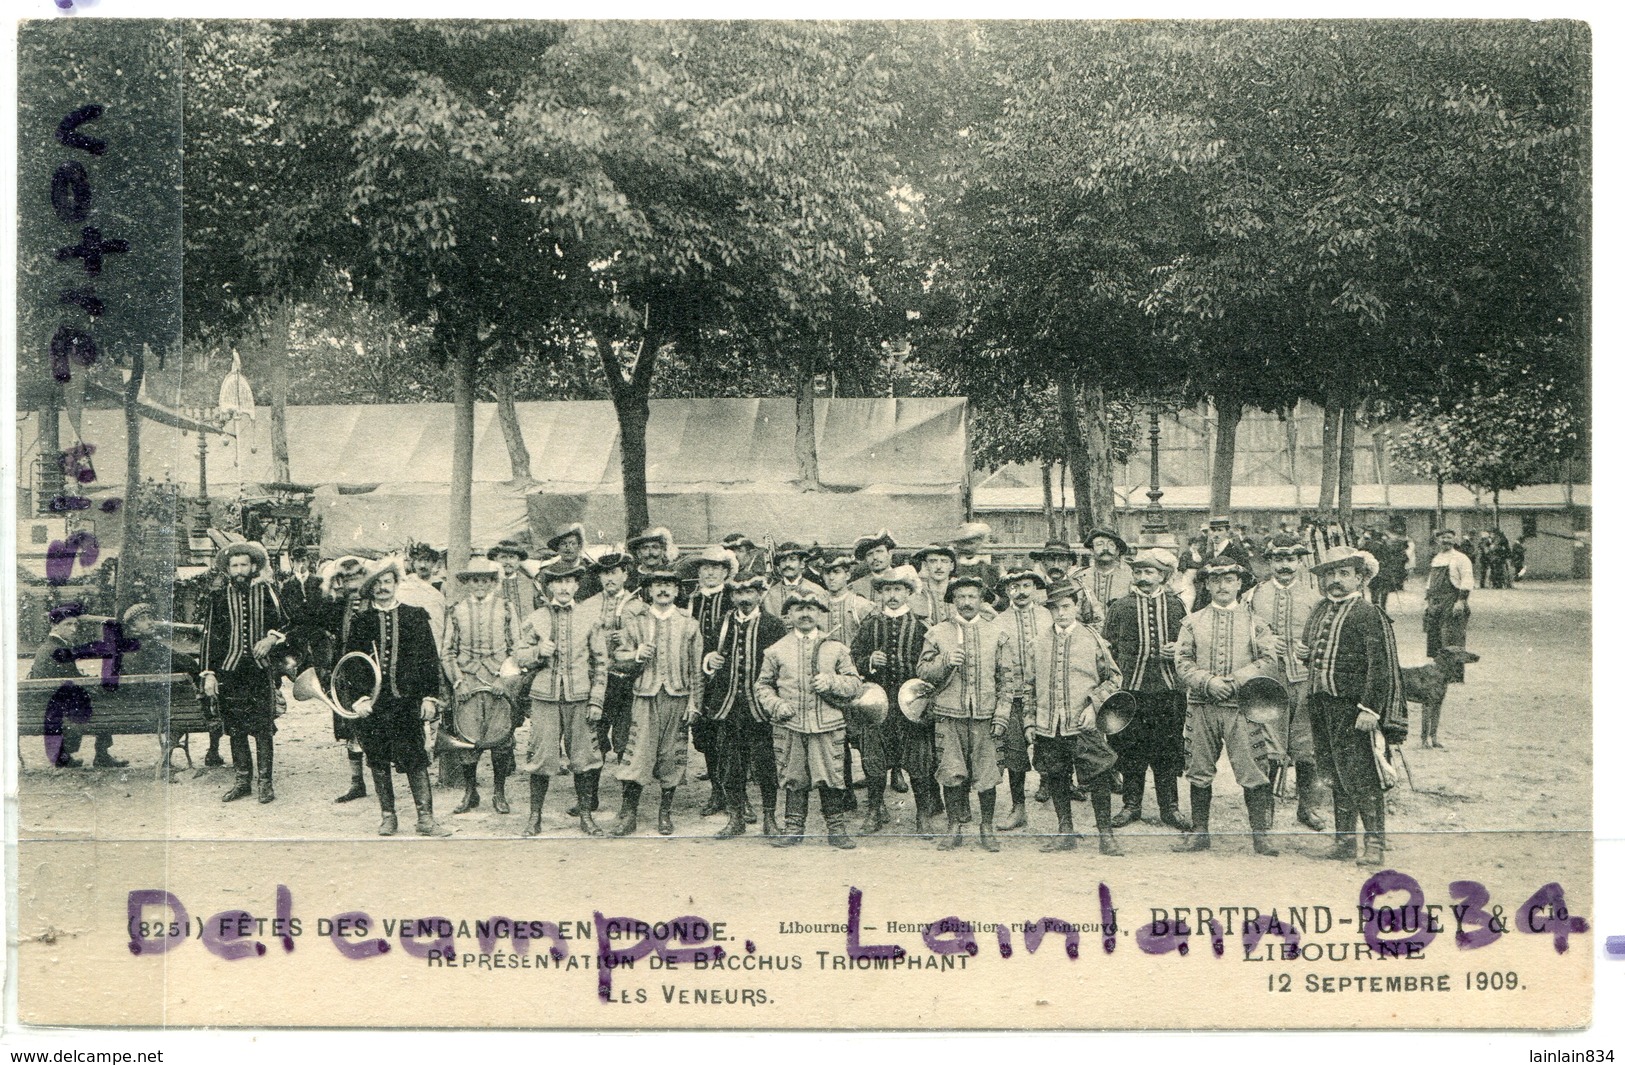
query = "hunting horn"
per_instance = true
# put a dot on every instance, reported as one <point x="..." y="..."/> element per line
<point x="308" y="686"/>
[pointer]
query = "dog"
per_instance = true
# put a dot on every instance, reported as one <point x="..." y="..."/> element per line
<point x="1429" y="685"/>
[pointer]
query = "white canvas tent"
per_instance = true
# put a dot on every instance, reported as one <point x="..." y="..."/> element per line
<point x="714" y="466"/>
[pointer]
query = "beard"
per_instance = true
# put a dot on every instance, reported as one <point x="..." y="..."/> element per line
<point x="240" y="581"/>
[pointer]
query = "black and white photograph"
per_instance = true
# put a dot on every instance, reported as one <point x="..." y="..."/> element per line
<point x="850" y="496"/>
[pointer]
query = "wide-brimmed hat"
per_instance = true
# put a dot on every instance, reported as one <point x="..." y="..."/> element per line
<point x="575" y="529"/>
<point x="935" y="549"/>
<point x="738" y="541"/>
<point x="866" y="544"/>
<point x="1222" y="566"/>
<point x="1066" y="590"/>
<point x="963" y="582"/>
<point x="840" y="561"/>
<point x="757" y="581"/>
<point x="1218" y="522"/>
<point x="656" y="535"/>
<point x="1094" y="534"/>
<point x="1341" y="554"/>
<point x="262" y="560"/>
<point x="387" y="566"/>
<point x="558" y="571"/>
<point x="790" y="547"/>
<point x="1054" y="549"/>
<point x="1285" y="545"/>
<point x="612" y="560"/>
<point x="904" y="575"/>
<point x="480" y="567"/>
<point x="806" y="597"/>
<point x="138" y="611"/>
<point x="418" y="549"/>
<point x="1154" y="556"/>
<point x="717" y="555"/>
<point x="972" y="530"/>
<point x="1024" y="575"/>
<point x="659" y="576"/>
<point x="508" y="547"/>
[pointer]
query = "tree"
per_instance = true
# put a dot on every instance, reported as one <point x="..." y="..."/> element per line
<point x="98" y="284"/>
<point x="1503" y="435"/>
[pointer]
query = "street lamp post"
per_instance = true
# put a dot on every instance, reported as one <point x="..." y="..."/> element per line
<point x="200" y="520"/>
<point x="1154" y="529"/>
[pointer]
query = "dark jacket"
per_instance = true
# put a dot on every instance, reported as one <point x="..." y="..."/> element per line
<point x="733" y="687"/>
<point x="903" y="639"/>
<point x="405" y="649"/>
<point x="1352" y="655"/>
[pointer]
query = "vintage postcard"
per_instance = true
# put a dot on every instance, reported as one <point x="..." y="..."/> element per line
<point x="933" y="525"/>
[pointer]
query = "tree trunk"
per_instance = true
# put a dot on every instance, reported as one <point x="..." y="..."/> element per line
<point x="1072" y="434"/>
<point x="1097" y="452"/>
<point x="1049" y="499"/>
<point x="1227" y="417"/>
<point x="632" y="411"/>
<point x="278" y="350"/>
<point x="508" y="418"/>
<point x="1440" y="483"/>
<point x="124" y="585"/>
<point x="1345" y="467"/>
<point x="630" y="394"/>
<point x="1329" y="429"/>
<point x="1495" y="508"/>
<point x="806" y="428"/>
<point x="1065" y="533"/>
<point x="460" y="538"/>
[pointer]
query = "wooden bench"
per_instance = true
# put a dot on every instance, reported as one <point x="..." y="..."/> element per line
<point x="165" y="706"/>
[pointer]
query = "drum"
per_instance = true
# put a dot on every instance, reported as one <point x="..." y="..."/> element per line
<point x="483" y="718"/>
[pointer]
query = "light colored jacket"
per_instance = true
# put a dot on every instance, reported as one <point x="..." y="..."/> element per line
<point x="576" y="670"/>
<point x="675" y="667"/>
<point x="1073" y="673"/>
<point x="1213" y="645"/>
<point x="971" y="689"/>
<point x="784" y="686"/>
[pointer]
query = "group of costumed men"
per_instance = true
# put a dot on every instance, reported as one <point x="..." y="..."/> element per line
<point x="621" y="658"/>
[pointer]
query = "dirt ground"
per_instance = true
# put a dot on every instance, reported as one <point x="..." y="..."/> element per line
<point x="1517" y="757"/>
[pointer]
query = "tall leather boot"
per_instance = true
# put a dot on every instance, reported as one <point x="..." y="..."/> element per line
<point x="1260" y="805"/>
<point x="1308" y="816"/>
<point x="1101" y="798"/>
<point x="502" y="763"/>
<point x="626" y="822"/>
<point x="1018" y="802"/>
<point x="538" y="796"/>
<point x="423" y="799"/>
<point x="795" y="818"/>
<point x="265" y="752"/>
<point x="877" y="816"/>
<point x="213" y="758"/>
<point x="1374" y="813"/>
<point x="716" y="803"/>
<point x="1201" y="806"/>
<point x="769" y="792"/>
<point x="736" y="815"/>
<point x="1344" y="820"/>
<point x="1167" y="784"/>
<point x="471" y="794"/>
<point x="358" y="779"/>
<point x="593" y="777"/>
<point x="1133" y="795"/>
<point x="954" y="797"/>
<point x="384" y="785"/>
<point x="667" y="797"/>
<point x="242" y="760"/>
<point x="988" y="838"/>
<point x="584" y="786"/>
<point x="833" y="803"/>
<point x="1060" y="789"/>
